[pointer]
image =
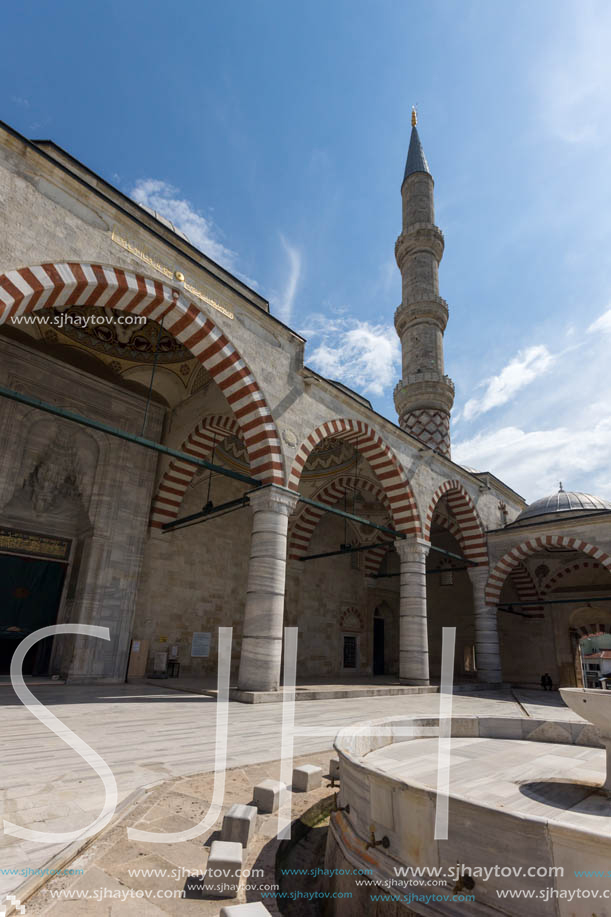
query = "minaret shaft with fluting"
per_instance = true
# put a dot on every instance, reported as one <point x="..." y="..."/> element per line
<point x="425" y="395"/>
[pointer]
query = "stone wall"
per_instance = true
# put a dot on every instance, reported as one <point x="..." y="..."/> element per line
<point x="60" y="479"/>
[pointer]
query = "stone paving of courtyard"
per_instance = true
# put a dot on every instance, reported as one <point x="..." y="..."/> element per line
<point x="151" y="735"/>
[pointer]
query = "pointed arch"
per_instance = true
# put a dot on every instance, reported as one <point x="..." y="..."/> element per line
<point x="42" y="286"/>
<point x="309" y="517"/>
<point x="512" y="558"/>
<point x="552" y="580"/>
<point x="373" y="559"/>
<point x="473" y="536"/>
<point x="525" y="586"/>
<point x="381" y="458"/>
<point x="175" y="481"/>
<point x="451" y="525"/>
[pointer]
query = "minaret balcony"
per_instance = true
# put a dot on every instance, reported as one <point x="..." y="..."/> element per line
<point x="432" y="309"/>
<point x="419" y="237"/>
<point x="424" y="390"/>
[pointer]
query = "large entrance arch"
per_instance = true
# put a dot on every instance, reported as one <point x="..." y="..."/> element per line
<point x="30" y="289"/>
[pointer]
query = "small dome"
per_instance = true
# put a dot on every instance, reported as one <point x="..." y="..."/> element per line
<point x="565" y="501"/>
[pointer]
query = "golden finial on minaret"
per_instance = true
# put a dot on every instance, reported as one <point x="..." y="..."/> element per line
<point x="414" y="116"/>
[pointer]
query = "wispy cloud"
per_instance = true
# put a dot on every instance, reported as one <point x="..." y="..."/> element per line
<point x="573" y="74"/>
<point x="200" y="230"/>
<point x="526" y="366"/>
<point x="602" y="324"/>
<point x="284" y="302"/>
<point x="362" y="355"/>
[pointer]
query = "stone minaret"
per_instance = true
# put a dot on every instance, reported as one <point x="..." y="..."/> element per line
<point x="424" y="396"/>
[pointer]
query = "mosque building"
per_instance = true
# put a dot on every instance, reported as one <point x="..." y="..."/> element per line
<point x="171" y="466"/>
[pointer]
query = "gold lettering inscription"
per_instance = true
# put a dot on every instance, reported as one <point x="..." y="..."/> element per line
<point x="31" y="543"/>
<point x="142" y="256"/>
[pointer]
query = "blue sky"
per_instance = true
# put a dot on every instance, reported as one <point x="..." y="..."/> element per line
<point x="275" y="134"/>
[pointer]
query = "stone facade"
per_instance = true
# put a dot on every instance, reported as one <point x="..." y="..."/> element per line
<point x="228" y="384"/>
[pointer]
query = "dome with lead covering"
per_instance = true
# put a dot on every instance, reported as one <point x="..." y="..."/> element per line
<point x="565" y="501"/>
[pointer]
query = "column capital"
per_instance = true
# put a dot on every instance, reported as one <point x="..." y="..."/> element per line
<point x="412" y="549"/>
<point x="273" y="498"/>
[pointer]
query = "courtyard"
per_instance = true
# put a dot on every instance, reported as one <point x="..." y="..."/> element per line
<point x="150" y="736"/>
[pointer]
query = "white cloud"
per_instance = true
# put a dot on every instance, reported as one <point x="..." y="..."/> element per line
<point x="283" y="304"/>
<point x="533" y="462"/>
<point x="200" y="231"/>
<point x="362" y="355"/>
<point x="602" y="323"/>
<point x="520" y="371"/>
<point x="559" y="429"/>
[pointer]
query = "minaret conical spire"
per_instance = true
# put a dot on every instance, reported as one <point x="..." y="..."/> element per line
<point x="425" y="395"/>
<point x="416" y="160"/>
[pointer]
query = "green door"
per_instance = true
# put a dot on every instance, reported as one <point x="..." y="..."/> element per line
<point x="30" y="592"/>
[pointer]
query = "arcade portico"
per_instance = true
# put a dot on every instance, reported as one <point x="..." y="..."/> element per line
<point x="265" y="495"/>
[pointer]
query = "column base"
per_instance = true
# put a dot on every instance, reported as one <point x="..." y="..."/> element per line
<point x="416" y="682"/>
<point x="493" y="677"/>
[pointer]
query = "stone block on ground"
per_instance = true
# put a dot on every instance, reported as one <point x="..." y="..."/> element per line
<point x="239" y="824"/>
<point x="267" y="795"/>
<point x="223" y="869"/>
<point x="307" y="777"/>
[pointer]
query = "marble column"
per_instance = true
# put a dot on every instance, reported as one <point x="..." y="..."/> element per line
<point x="413" y="634"/>
<point x="261" y="654"/>
<point x="487" y="652"/>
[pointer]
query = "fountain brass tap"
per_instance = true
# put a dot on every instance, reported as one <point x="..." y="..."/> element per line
<point x="372" y="842"/>
<point x="464" y="881"/>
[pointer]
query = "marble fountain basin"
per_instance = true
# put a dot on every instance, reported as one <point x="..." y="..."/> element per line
<point x="523" y="794"/>
<point x="592" y="704"/>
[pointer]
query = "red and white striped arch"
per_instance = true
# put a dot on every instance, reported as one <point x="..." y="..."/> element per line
<point x="373" y="559"/>
<point x="473" y="539"/>
<point x="553" y="580"/>
<point x="309" y="517"/>
<point x="382" y="460"/>
<point x="29" y="289"/>
<point x="512" y="558"/>
<point x="525" y="586"/>
<point x="450" y="525"/>
<point x="174" y="483"/>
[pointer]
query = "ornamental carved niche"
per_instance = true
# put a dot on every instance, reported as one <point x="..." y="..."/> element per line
<point x="54" y="478"/>
<point x="351" y="619"/>
<point x="59" y="466"/>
